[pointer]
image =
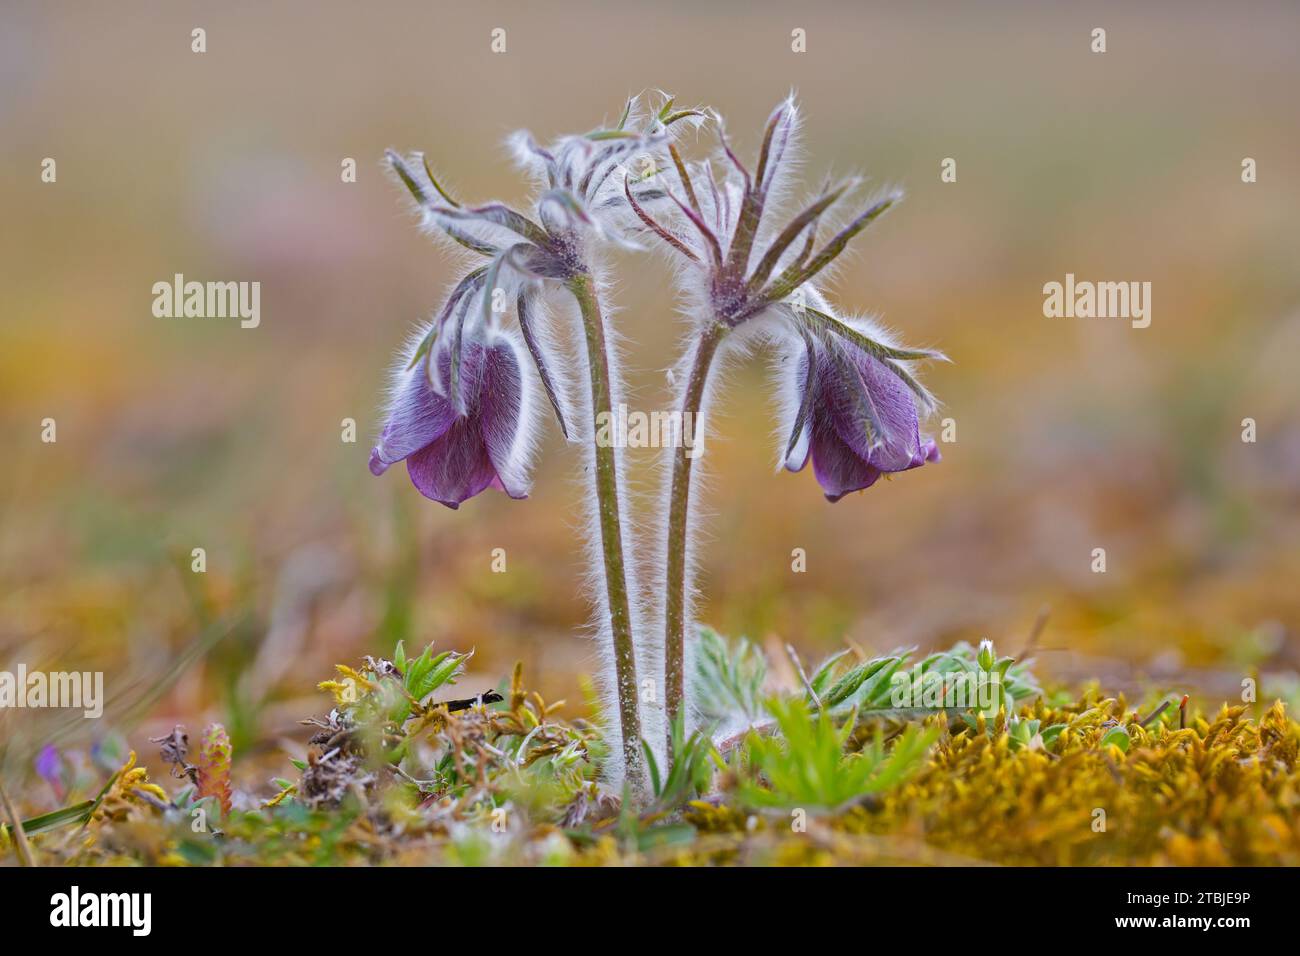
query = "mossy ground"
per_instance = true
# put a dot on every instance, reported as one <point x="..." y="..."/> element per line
<point x="1067" y="780"/>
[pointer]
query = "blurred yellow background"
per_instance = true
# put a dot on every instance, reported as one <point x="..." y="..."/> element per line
<point x="1072" y="434"/>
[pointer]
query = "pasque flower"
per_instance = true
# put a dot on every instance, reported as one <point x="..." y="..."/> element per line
<point x="454" y="424"/>
<point x="456" y="449"/>
<point x="857" y="419"/>
<point x="582" y="201"/>
<point x="749" y="280"/>
<point x="464" y="397"/>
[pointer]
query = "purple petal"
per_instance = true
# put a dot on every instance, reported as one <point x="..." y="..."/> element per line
<point x="929" y="451"/>
<point x="48" y="763"/>
<point x="419" y="416"/>
<point x="838" y="467"/>
<point x="900" y="441"/>
<point x="500" y="400"/>
<point x="453" y="468"/>
<point x="452" y="458"/>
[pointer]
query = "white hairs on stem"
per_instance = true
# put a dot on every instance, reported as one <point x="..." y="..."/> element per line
<point x="647" y="645"/>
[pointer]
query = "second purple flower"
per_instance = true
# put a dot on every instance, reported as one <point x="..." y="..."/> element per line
<point x="858" y="420"/>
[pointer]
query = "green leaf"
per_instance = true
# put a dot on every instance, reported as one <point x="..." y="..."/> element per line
<point x="1117" y="736"/>
<point x="445" y="672"/>
<point x="728" y="678"/>
<point x="848" y="685"/>
<point x="653" y="765"/>
<point x="822" y="321"/>
<point x="805" y="764"/>
<point x="1049" y="734"/>
<point x="604" y="134"/>
<point x="876" y="690"/>
<point x="467" y="286"/>
<point x="428" y="171"/>
<point x="404" y="174"/>
<point x="422" y="680"/>
<point x="826" y="671"/>
<point x="539" y="359"/>
<point x="77" y="813"/>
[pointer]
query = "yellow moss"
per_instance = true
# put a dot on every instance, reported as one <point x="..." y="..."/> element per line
<point x="1216" y="793"/>
<point x="122" y="800"/>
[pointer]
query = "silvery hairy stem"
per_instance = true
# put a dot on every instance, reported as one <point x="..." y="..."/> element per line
<point x="605" y="480"/>
<point x="679" y="504"/>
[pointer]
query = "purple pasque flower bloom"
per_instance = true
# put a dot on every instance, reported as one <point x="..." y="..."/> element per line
<point x="583" y="186"/>
<point x="857" y="415"/>
<point x="455" y="449"/>
<point x="749" y="277"/>
<point x="581" y="198"/>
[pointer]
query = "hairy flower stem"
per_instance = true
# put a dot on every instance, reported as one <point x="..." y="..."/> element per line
<point x="679" y="507"/>
<point x="611" y="533"/>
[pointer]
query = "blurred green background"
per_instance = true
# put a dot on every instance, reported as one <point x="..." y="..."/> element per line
<point x="1072" y="433"/>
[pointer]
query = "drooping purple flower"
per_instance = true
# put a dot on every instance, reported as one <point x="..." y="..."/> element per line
<point x="581" y="200"/>
<point x="453" y="455"/>
<point x="748" y="275"/>
<point x="857" y="417"/>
